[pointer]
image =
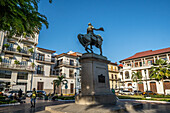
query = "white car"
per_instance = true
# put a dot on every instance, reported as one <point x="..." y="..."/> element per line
<point x="28" y="93"/>
<point x="13" y="92"/>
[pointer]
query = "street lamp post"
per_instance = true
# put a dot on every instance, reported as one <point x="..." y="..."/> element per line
<point x="75" y="82"/>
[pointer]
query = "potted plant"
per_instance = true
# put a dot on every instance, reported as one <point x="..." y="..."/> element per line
<point x="16" y="62"/>
<point x="31" y="50"/>
<point x="19" y="48"/>
<point x="6" y="45"/>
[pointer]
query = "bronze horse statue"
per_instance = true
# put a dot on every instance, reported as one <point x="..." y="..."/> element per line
<point x="92" y="40"/>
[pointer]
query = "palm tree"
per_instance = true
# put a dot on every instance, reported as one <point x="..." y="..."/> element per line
<point x="60" y="82"/>
<point x="135" y="76"/>
<point x="160" y="70"/>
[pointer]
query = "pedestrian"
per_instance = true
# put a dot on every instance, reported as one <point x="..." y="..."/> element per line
<point x="20" y="94"/>
<point x="33" y="98"/>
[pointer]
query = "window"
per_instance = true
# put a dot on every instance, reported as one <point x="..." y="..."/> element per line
<point x="71" y="74"/>
<point x="7" y="60"/>
<point x="140" y="63"/>
<point x="127" y="75"/>
<point x="164" y="58"/>
<point x="24" y="63"/>
<point x="111" y="68"/>
<point x="5" y="74"/>
<point x="22" y="75"/>
<point x="40" y="57"/>
<point x="128" y="64"/>
<point x="116" y="77"/>
<point x="150" y="62"/>
<point x="40" y="69"/>
<point x="21" y="83"/>
<point x="72" y="62"/>
<point x="112" y="76"/>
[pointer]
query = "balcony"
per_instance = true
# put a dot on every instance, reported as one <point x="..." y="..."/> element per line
<point x="67" y="64"/>
<point x="14" y="51"/>
<point x="45" y="61"/>
<point x="7" y="66"/>
<point x="40" y="73"/>
<point x="29" y="39"/>
<point x="113" y="70"/>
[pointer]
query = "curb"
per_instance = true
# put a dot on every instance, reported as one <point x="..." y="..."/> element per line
<point x="144" y="101"/>
<point x="3" y="105"/>
<point x="66" y="100"/>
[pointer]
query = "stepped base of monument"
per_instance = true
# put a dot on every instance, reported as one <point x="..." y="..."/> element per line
<point x="96" y="99"/>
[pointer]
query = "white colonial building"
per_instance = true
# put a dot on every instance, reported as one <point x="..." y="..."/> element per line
<point x="42" y="77"/>
<point x="143" y="61"/>
<point x="67" y="64"/>
<point x="16" y="58"/>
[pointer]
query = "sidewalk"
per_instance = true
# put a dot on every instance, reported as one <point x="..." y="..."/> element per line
<point x="151" y="101"/>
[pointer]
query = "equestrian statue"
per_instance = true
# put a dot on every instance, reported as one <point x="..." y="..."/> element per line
<point x="91" y="39"/>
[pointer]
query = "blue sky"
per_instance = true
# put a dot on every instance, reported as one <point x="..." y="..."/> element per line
<point x="131" y="26"/>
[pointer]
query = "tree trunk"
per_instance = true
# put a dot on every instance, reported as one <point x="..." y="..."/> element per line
<point x="137" y="87"/>
<point x="163" y="86"/>
<point x="54" y="88"/>
<point x="61" y="90"/>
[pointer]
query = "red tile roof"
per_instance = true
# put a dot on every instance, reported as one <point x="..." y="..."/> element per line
<point x="120" y="65"/>
<point x="46" y="50"/>
<point x="148" y="53"/>
<point x="65" y="54"/>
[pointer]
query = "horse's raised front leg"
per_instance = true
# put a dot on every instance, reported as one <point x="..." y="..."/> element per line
<point x="86" y="48"/>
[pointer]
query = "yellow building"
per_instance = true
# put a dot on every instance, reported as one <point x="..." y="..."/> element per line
<point x="113" y="75"/>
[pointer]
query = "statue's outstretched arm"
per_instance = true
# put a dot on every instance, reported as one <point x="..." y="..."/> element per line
<point x="100" y="29"/>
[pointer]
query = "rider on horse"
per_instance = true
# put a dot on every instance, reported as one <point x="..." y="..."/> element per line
<point x="92" y="35"/>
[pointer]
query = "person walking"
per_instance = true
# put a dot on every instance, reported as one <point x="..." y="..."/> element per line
<point x="33" y="98"/>
<point x="20" y="95"/>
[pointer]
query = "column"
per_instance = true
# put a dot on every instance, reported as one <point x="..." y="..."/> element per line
<point x="167" y="57"/>
<point x="142" y="62"/>
<point x="14" y="78"/>
<point x="154" y="59"/>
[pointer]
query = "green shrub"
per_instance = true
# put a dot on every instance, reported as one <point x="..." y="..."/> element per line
<point x="19" y="48"/>
<point x="160" y="96"/>
<point x="13" y="101"/>
<point x="6" y="45"/>
<point x="2" y="97"/>
<point x="16" y="62"/>
<point x="31" y="50"/>
<point x="66" y="98"/>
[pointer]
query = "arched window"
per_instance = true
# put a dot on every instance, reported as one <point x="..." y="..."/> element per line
<point x="116" y="77"/>
<point x="127" y="75"/>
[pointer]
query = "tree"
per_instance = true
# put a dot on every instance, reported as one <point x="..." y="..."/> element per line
<point x="21" y="17"/>
<point x="59" y="82"/>
<point x="136" y="76"/>
<point x="160" y="70"/>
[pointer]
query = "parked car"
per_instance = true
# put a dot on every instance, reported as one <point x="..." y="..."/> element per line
<point x="13" y="92"/>
<point x="28" y="93"/>
<point x="149" y="93"/>
<point x="136" y="92"/>
<point x="41" y="92"/>
<point x="126" y="92"/>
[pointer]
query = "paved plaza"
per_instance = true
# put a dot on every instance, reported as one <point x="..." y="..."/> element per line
<point x="41" y="104"/>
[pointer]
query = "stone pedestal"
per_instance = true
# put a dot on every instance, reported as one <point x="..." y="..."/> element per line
<point x="95" y="88"/>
